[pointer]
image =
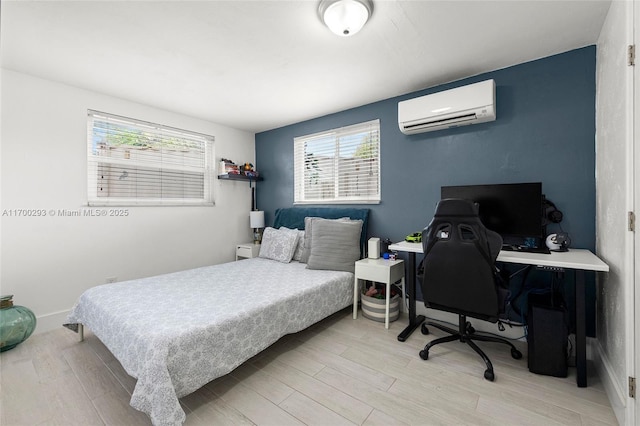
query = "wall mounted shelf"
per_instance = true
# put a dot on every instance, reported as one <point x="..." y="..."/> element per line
<point x="240" y="177"/>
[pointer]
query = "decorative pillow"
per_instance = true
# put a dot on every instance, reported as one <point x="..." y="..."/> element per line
<point x="335" y="244"/>
<point x="278" y="244"/>
<point x="297" y="255"/>
<point x="308" y="227"/>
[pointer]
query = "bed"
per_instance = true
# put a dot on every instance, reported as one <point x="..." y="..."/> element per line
<point x="176" y="332"/>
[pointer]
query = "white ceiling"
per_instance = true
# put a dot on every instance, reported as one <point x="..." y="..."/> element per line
<point x="259" y="65"/>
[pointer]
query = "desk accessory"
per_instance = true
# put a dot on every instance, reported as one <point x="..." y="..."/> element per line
<point x="558" y="242"/>
<point x="416" y="237"/>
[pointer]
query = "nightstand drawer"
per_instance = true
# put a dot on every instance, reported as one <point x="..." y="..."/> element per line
<point x="247" y="251"/>
<point x="380" y="270"/>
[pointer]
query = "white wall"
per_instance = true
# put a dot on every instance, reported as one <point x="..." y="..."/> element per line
<point x="47" y="262"/>
<point x="613" y="169"/>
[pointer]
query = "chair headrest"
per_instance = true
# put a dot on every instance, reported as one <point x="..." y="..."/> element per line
<point x="456" y="207"/>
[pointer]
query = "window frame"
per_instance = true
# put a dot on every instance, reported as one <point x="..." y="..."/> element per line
<point x="339" y="172"/>
<point x="202" y="163"/>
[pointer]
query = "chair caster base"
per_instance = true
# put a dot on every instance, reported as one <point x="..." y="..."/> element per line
<point x="424" y="354"/>
<point x="423" y="329"/>
<point x="488" y="374"/>
<point x="516" y="354"/>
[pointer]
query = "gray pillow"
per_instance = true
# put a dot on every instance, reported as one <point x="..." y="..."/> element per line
<point x="335" y="244"/>
<point x="308" y="228"/>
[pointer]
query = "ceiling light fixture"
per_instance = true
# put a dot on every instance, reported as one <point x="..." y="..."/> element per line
<point x="345" y="17"/>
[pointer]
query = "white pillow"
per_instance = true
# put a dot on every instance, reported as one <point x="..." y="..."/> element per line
<point x="297" y="255"/>
<point x="278" y="244"/>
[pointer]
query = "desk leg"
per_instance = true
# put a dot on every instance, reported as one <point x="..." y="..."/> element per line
<point x="356" y="287"/>
<point x="414" y="320"/>
<point x="581" y="330"/>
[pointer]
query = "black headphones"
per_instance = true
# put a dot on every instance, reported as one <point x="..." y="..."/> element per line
<point x="551" y="214"/>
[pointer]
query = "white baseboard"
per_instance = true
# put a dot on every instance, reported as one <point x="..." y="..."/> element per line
<point x="50" y="321"/>
<point x="615" y="390"/>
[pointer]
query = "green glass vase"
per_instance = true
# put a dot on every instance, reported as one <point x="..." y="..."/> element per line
<point x="16" y="323"/>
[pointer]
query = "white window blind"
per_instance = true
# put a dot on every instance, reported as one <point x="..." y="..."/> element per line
<point x="132" y="162"/>
<point x="338" y="166"/>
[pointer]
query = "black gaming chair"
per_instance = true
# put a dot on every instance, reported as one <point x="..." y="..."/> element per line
<point x="458" y="274"/>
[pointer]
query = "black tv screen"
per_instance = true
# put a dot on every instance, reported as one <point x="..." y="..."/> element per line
<point x="513" y="210"/>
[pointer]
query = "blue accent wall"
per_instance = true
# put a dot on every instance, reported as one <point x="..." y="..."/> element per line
<point x="544" y="131"/>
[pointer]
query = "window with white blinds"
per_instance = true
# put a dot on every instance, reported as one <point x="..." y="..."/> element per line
<point x="338" y="166"/>
<point x="132" y="162"/>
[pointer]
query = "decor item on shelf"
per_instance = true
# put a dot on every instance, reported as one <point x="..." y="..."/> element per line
<point x="228" y="167"/>
<point x="345" y="17"/>
<point x="247" y="170"/>
<point x="231" y="171"/>
<point x="16" y="323"/>
<point x="256" y="221"/>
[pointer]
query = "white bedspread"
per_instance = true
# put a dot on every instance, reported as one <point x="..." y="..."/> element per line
<point x="179" y="331"/>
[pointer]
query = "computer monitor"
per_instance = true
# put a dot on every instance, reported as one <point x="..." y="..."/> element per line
<point x="513" y="210"/>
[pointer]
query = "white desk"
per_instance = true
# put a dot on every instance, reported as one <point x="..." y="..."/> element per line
<point x="579" y="260"/>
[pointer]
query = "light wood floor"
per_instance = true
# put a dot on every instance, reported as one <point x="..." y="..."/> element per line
<point x="338" y="372"/>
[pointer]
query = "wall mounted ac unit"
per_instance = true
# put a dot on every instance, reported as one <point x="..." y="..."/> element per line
<point x="471" y="104"/>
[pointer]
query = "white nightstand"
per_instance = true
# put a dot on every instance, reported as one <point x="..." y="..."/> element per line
<point x="247" y="251"/>
<point x="381" y="271"/>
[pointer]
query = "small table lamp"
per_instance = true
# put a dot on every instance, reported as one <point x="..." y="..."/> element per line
<point x="256" y="221"/>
